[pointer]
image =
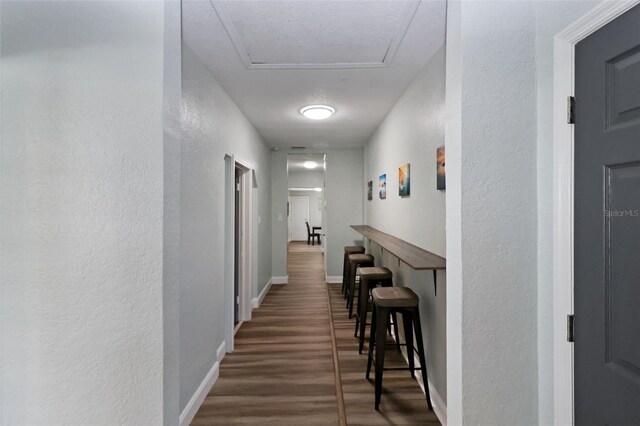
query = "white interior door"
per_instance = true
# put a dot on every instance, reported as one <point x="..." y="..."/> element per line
<point x="299" y="214"/>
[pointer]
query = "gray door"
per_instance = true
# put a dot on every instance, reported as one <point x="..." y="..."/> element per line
<point x="607" y="225"/>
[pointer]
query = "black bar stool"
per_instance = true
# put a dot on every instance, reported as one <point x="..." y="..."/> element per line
<point x="345" y="265"/>
<point x="355" y="261"/>
<point x="371" y="277"/>
<point x="404" y="301"/>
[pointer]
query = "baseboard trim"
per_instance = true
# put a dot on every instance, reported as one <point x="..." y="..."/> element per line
<point x="334" y="279"/>
<point x="257" y="301"/>
<point x="200" y="394"/>
<point x="280" y="280"/>
<point x="439" y="407"/>
<point x="221" y="352"/>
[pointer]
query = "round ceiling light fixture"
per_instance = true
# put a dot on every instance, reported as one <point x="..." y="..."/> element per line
<point x="317" y="112"/>
<point x="309" y="164"/>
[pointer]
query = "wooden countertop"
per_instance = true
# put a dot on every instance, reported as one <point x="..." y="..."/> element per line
<point x="413" y="256"/>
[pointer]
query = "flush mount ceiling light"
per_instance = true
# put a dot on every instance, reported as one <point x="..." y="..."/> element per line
<point x="318" y="112"/>
<point x="309" y="164"/>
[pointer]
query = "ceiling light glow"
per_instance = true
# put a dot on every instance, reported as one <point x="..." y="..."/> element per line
<point x="309" y="164"/>
<point x="318" y="112"/>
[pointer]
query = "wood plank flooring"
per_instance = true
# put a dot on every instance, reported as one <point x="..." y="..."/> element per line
<point x="403" y="402"/>
<point x="283" y="370"/>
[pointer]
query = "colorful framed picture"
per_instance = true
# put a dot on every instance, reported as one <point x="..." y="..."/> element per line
<point x="382" y="186"/>
<point x="404" y="180"/>
<point x="441" y="175"/>
<point x="370" y="190"/>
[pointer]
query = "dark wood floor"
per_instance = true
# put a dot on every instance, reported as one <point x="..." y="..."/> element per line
<point x="403" y="402"/>
<point x="283" y="371"/>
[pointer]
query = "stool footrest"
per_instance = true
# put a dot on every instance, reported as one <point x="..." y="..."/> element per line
<point x="400" y="368"/>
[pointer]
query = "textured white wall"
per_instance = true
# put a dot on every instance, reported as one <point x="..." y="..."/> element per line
<point x="411" y="132"/>
<point x="212" y="125"/>
<point x="81" y="224"/>
<point x="279" y="194"/>
<point x="344" y="195"/>
<point x="492" y="244"/>
<point x="172" y="95"/>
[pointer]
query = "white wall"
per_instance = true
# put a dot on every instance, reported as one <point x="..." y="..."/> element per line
<point x="492" y="282"/>
<point x="343" y="195"/>
<point x="81" y="223"/>
<point x="212" y="126"/>
<point x="279" y="196"/>
<point x="411" y="132"/>
<point x="310" y="179"/>
<point x="172" y="76"/>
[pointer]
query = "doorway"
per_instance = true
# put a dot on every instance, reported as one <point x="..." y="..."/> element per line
<point x="239" y="245"/>
<point x="607" y="224"/>
<point x="597" y="218"/>
<point x="306" y="177"/>
<point x="237" y="253"/>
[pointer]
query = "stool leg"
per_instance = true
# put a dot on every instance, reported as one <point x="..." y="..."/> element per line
<point x="383" y="318"/>
<point x="344" y="272"/>
<point x="363" y="304"/>
<point x="350" y="284"/>
<point x="408" y="338"/>
<point x="353" y="292"/>
<point x="421" y="351"/>
<point x="395" y="330"/>
<point x="372" y="339"/>
<point x="364" y="285"/>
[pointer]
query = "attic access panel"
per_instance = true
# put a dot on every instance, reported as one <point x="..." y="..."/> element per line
<point x="316" y="34"/>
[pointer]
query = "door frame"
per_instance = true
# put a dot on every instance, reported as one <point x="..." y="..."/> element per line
<point x="563" y="196"/>
<point x="247" y="245"/>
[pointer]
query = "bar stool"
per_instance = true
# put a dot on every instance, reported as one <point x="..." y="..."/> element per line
<point x="404" y="301"/>
<point x="345" y="265"/>
<point x="371" y="277"/>
<point x="355" y="261"/>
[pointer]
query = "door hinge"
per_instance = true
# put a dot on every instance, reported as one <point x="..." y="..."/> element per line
<point x="238" y="187"/>
<point x="570" y="328"/>
<point x="571" y="110"/>
<point x="237" y="300"/>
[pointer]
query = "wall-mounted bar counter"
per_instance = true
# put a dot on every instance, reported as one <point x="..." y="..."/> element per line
<point x="414" y="256"/>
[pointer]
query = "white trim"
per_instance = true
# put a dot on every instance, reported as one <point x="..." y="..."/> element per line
<point x="257" y="301"/>
<point x="201" y="393"/>
<point x="334" y="279"/>
<point x="439" y="407"/>
<point x="221" y="352"/>
<point x="246" y="243"/>
<point x="230" y="28"/>
<point x="229" y="209"/>
<point x="563" y="184"/>
<point x="280" y="280"/>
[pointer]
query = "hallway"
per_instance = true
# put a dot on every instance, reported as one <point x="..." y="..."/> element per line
<point x="282" y="369"/>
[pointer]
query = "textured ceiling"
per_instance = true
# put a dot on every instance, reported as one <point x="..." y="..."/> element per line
<point x="273" y="57"/>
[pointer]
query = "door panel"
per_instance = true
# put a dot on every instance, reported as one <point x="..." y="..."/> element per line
<point x="299" y="214"/>
<point x="607" y="225"/>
